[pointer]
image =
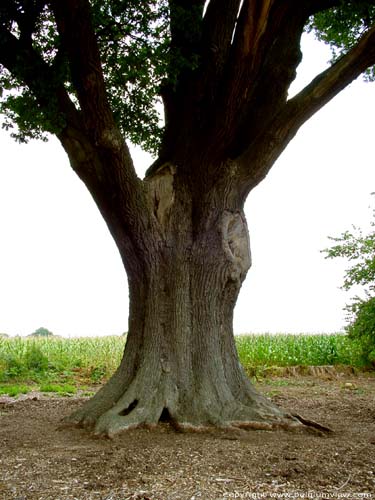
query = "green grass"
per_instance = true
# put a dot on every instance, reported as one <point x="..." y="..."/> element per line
<point x="61" y="365"/>
<point x="62" y="389"/>
<point x="14" y="390"/>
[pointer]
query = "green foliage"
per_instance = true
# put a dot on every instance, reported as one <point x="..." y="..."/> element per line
<point x="137" y="57"/>
<point x="41" y="332"/>
<point x="359" y="250"/>
<point x="11" y="366"/>
<point x="342" y="26"/>
<point x="97" y="373"/>
<point x="362" y="327"/>
<point x="25" y="118"/>
<point x="62" y="389"/>
<point x="35" y="360"/>
<point x="13" y="390"/>
<point x="133" y="40"/>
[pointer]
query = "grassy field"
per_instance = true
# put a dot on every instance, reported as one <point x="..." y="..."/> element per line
<point x="61" y="365"/>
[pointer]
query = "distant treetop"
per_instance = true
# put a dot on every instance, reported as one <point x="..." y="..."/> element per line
<point x="41" y="332"/>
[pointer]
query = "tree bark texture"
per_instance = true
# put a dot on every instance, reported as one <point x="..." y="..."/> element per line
<point x="180" y="361"/>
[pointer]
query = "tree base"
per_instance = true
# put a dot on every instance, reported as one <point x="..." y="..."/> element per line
<point x="130" y="413"/>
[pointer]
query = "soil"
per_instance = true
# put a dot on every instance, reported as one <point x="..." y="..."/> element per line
<point x="40" y="460"/>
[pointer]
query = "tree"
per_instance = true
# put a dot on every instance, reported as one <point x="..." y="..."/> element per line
<point x="359" y="249"/>
<point x="90" y="72"/>
<point x="41" y="332"/>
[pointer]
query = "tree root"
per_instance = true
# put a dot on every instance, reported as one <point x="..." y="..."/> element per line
<point x="313" y="425"/>
<point x="159" y="400"/>
<point x="112" y="423"/>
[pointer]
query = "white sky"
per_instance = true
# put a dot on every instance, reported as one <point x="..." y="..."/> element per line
<point x="60" y="269"/>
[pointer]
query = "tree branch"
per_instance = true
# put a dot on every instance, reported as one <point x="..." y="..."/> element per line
<point x="115" y="166"/>
<point x="300" y="108"/>
<point x="252" y="24"/>
<point x="334" y="79"/>
<point x="259" y="69"/>
<point x="73" y="18"/>
<point x="98" y="155"/>
<point x="186" y="21"/>
<point x="218" y="27"/>
<point x="185" y="24"/>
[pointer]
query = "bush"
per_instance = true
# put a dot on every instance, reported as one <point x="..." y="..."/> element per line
<point x="12" y="366"/>
<point x="359" y="249"/>
<point x="35" y="360"/>
<point x="362" y="327"/>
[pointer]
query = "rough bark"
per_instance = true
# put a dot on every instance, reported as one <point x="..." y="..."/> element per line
<point x="180" y="361"/>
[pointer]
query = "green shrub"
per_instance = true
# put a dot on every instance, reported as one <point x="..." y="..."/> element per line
<point x="98" y="373"/>
<point x="362" y="328"/>
<point x="35" y="360"/>
<point x="359" y="249"/>
<point x="12" y="366"/>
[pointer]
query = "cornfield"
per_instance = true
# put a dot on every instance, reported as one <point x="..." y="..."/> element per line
<point x="90" y="360"/>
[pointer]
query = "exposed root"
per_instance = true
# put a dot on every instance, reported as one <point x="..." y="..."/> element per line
<point x="112" y="423"/>
<point x="146" y="404"/>
<point x="313" y="425"/>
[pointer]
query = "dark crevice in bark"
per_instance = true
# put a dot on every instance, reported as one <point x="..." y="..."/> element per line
<point x="129" y="409"/>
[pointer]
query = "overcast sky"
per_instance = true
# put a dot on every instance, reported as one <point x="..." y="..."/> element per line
<point x="60" y="269"/>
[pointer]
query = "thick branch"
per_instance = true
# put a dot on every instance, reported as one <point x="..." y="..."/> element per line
<point x="252" y="25"/>
<point x="113" y="171"/>
<point x="329" y="83"/>
<point x="299" y="109"/>
<point x="186" y="20"/>
<point x="185" y="24"/>
<point x="219" y="24"/>
<point x="73" y="20"/>
<point x="259" y="69"/>
<point x="247" y="60"/>
<point x="99" y="155"/>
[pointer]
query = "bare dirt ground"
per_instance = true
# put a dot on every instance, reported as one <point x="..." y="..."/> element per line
<point x="37" y="461"/>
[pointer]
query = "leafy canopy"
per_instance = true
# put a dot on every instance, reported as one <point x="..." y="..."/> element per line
<point x="342" y="26"/>
<point x="133" y="42"/>
<point x="137" y="60"/>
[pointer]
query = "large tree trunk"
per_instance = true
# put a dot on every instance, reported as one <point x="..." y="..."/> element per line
<point x="180" y="361"/>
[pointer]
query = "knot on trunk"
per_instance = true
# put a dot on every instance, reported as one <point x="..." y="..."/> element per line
<point x="236" y="244"/>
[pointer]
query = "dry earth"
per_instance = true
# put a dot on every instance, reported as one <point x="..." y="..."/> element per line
<point x="37" y="461"/>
